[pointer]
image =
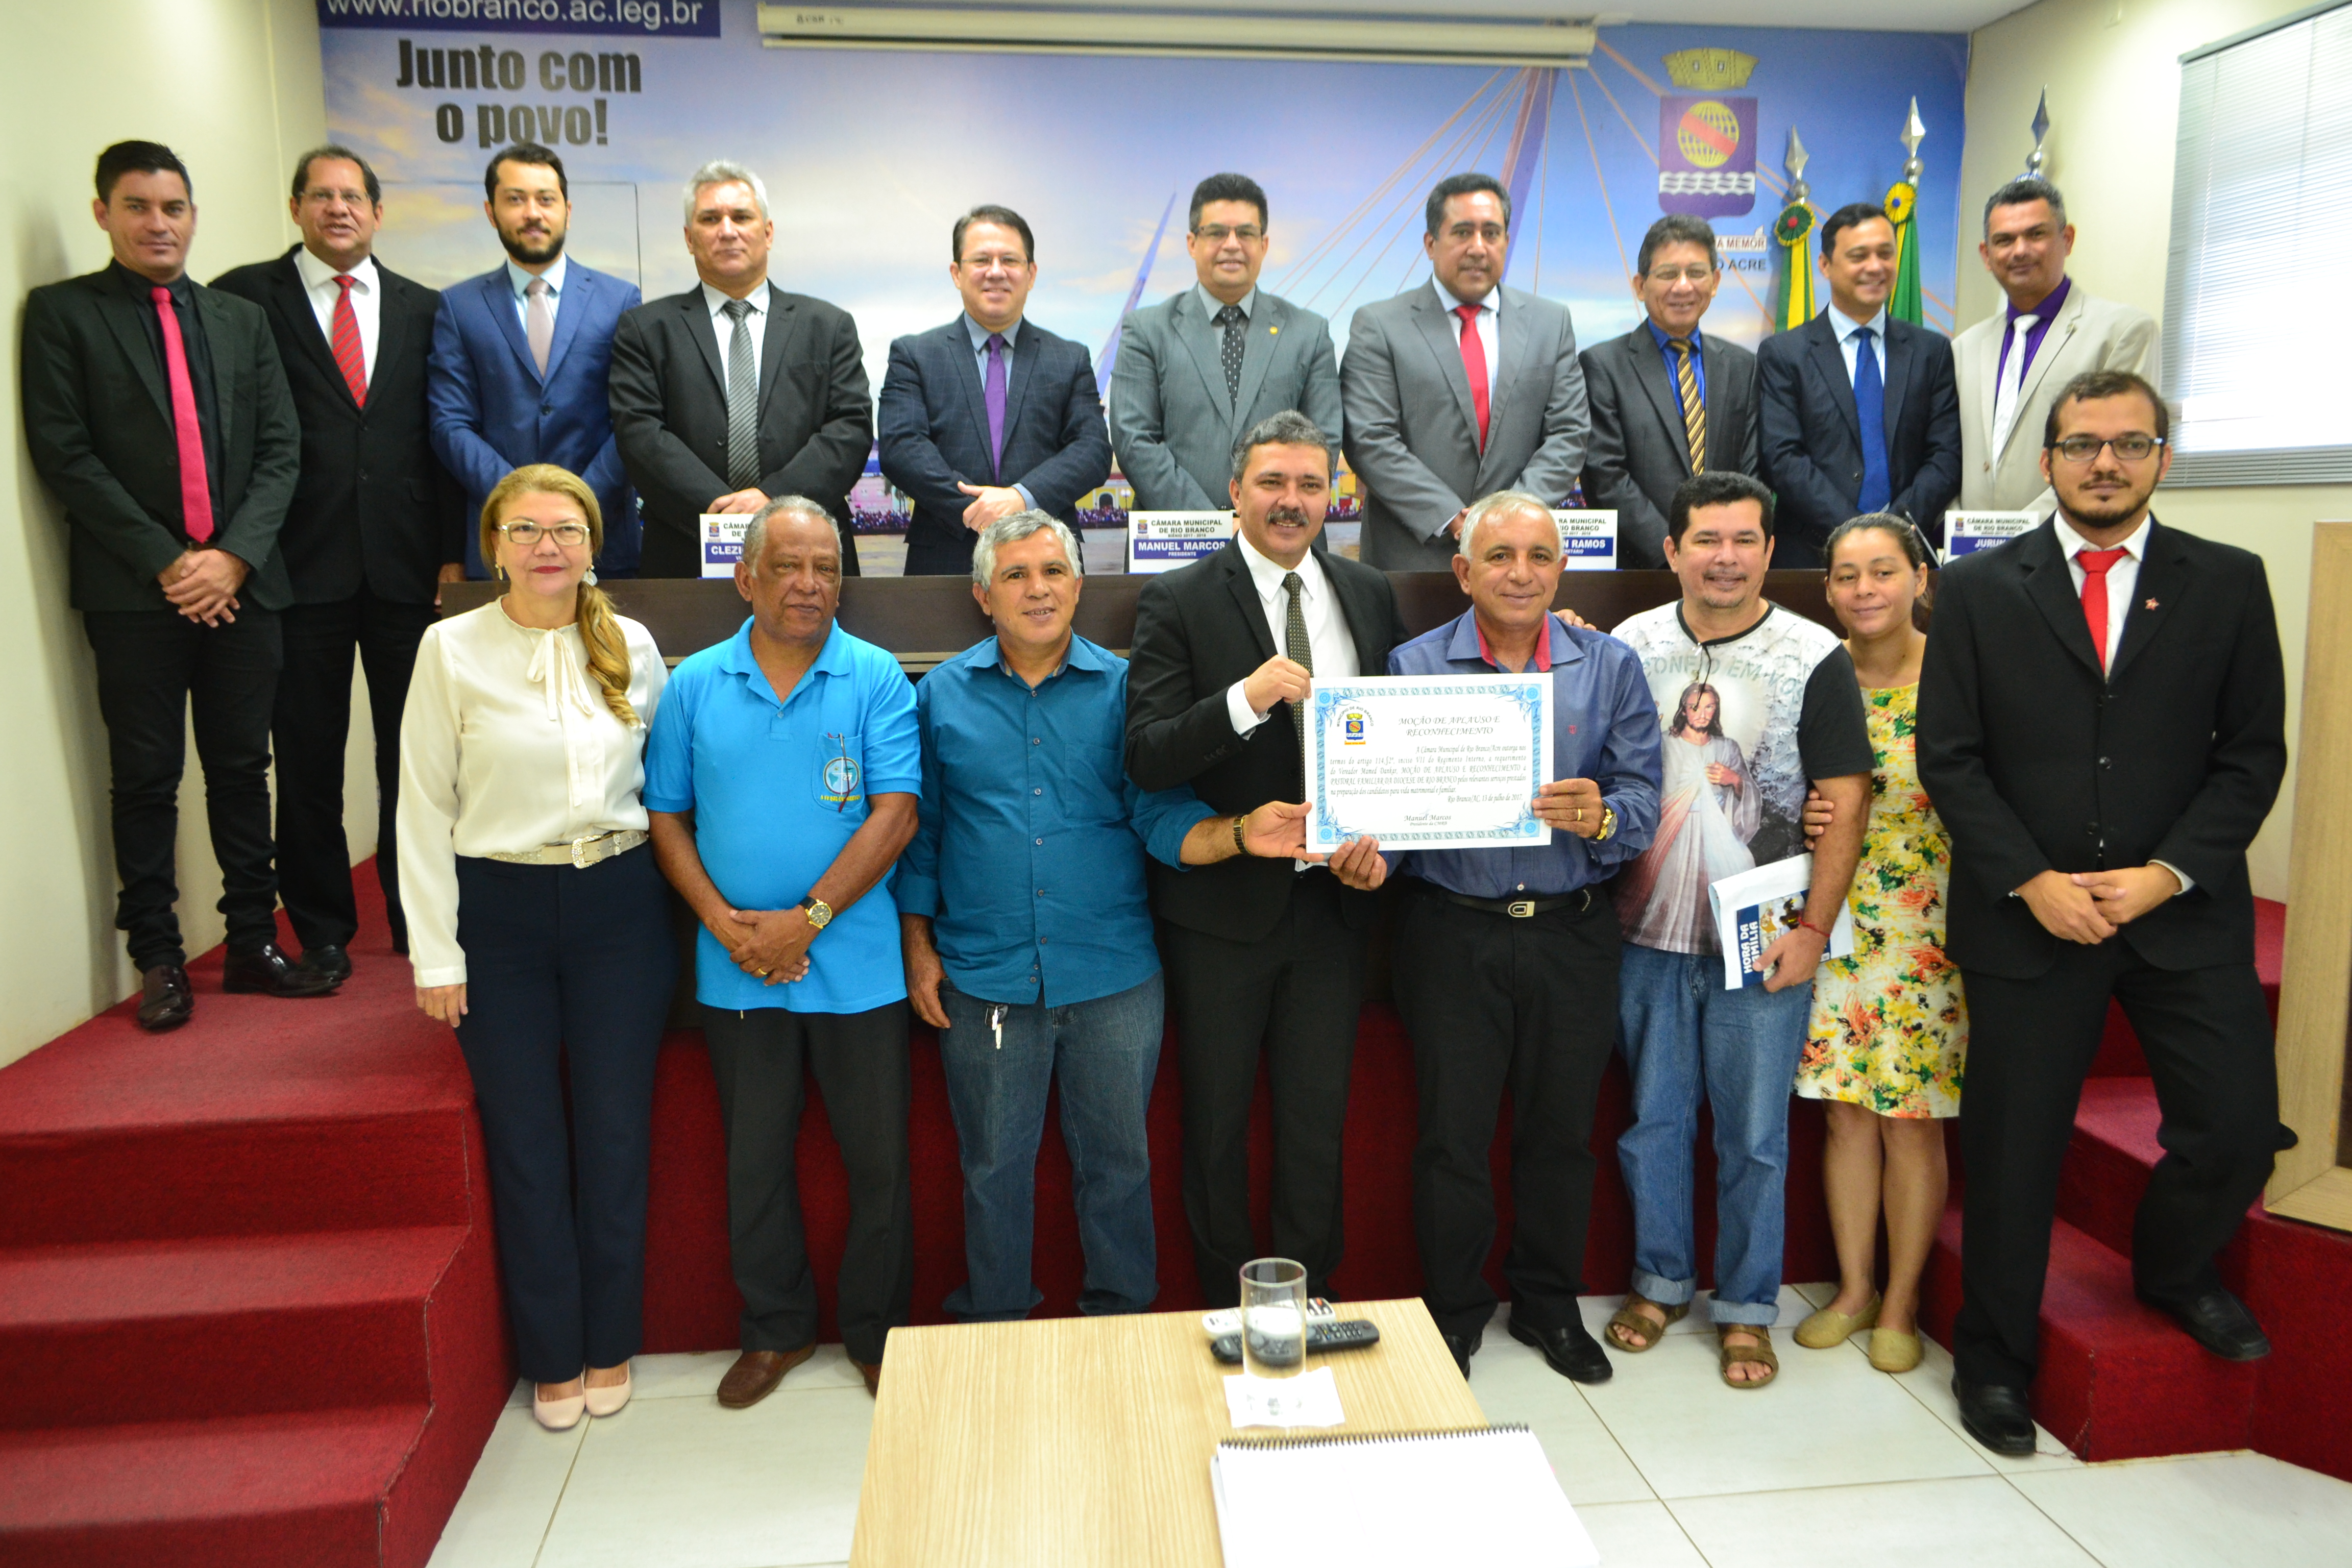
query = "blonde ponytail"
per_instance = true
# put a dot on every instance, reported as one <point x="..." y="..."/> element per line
<point x="608" y="651"/>
<point x="600" y="631"/>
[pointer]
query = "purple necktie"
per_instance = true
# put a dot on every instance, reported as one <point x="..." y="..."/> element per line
<point x="994" y="391"/>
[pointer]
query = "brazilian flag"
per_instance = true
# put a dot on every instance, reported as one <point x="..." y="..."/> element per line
<point x="1902" y="210"/>
<point x="1793" y="285"/>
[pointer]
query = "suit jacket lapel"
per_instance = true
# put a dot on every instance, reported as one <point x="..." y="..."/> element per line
<point x="782" y="320"/>
<point x="1243" y="588"/>
<point x="958" y="339"/>
<point x="1260" y="345"/>
<point x="222" y="338"/>
<point x="1902" y="348"/>
<point x="579" y="283"/>
<point x="391" y="319"/>
<point x="705" y="333"/>
<point x="2051" y="588"/>
<point x="499" y="297"/>
<point x="1829" y="359"/>
<point x="1987" y="352"/>
<point x="1514" y="343"/>
<point x="1650" y="370"/>
<point x="293" y="302"/>
<point x="1363" y="619"/>
<point x="1202" y="344"/>
<point x="2053" y="343"/>
<point x="121" y="312"/>
<point x="1024" y="352"/>
<point x="2162" y="579"/>
<point x="1437" y="332"/>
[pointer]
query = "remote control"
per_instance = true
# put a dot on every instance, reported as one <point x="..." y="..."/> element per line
<point x="1352" y="1335"/>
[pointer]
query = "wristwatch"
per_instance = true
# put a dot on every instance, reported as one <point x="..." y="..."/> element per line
<point x="1608" y="824"/>
<point x="1241" y="845"/>
<point x="819" y="912"/>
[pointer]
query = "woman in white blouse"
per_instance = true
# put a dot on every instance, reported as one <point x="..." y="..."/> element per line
<point x="539" y="925"/>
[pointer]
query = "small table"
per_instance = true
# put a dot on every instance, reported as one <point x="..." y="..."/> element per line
<point x="1086" y="1441"/>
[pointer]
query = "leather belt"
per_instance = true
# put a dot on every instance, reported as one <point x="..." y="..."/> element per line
<point x="1518" y="909"/>
<point x="581" y="852"/>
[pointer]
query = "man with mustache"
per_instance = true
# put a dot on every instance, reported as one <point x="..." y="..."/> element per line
<point x="521" y="356"/>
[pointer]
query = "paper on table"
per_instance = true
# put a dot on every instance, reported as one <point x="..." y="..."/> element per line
<point x="1311" y="1399"/>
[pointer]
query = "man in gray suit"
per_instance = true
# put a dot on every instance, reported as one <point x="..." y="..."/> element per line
<point x="2012" y="365"/>
<point x="1438" y="415"/>
<point x="1667" y="402"/>
<point x="1200" y="367"/>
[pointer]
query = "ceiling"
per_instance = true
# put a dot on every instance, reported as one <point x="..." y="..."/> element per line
<point x="1894" y="16"/>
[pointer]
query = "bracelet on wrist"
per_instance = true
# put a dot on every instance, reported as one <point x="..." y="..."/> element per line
<point x="1241" y="845"/>
<point x="1804" y="924"/>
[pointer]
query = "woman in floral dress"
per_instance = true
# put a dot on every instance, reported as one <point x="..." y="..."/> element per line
<point x="1890" y="1024"/>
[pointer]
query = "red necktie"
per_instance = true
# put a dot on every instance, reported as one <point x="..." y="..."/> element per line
<point x="2096" y="563"/>
<point x="196" y="487"/>
<point x="1473" y="364"/>
<point x="350" y="358"/>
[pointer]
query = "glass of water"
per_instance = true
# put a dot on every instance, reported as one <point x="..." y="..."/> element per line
<point x="1274" y="1317"/>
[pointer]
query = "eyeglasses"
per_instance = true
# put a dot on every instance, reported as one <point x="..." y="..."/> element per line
<point x="1670" y="276"/>
<point x="571" y="535"/>
<point x="2132" y="449"/>
<point x="1218" y="233"/>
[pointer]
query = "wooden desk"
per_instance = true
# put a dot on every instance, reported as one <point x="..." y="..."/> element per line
<point x="1086" y="1441"/>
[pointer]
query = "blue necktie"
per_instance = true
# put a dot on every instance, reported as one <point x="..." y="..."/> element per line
<point x="1870" y="409"/>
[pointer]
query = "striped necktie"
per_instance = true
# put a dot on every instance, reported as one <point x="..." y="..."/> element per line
<point x="1694" y="406"/>
<point x="742" y="400"/>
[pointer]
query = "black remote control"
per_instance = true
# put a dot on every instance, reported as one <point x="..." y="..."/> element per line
<point x="1352" y="1335"/>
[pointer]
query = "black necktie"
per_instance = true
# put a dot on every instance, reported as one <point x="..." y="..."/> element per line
<point x="1236" y="327"/>
<point x="1300" y="652"/>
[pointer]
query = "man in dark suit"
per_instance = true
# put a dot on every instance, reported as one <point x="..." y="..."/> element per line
<point x="1860" y="413"/>
<point x="521" y="356"/>
<point x="1667" y="402"/>
<point x="1200" y="367"/>
<point x="990" y="414"/>
<point x="376" y="527"/>
<point x="1262" y="956"/>
<point x="735" y="392"/>
<point x="2102" y="724"/>
<point x="158" y="413"/>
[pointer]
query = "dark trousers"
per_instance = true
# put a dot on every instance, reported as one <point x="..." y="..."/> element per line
<point x="1493" y="1001"/>
<point x="312" y="723"/>
<point x="2207" y="1037"/>
<point x="860" y="1063"/>
<point x="153" y="665"/>
<point x="567" y="968"/>
<point x="1293" y="996"/>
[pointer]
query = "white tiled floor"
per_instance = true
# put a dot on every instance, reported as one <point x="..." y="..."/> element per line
<point x="1667" y="1466"/>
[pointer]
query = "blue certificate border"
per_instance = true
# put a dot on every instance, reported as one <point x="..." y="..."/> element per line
<point x="1324" y="711"/>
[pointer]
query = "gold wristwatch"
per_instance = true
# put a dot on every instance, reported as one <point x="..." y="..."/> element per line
<point x="819" y="912"/>
<point x="1608" y="824"/>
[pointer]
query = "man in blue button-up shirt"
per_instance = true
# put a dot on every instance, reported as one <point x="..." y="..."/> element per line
<point x="1505" y="960"/>
<point x="1027" y="930"/>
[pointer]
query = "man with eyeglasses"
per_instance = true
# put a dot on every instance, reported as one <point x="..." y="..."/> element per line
<point x="2011" y="363"/>
<point x="1200" y="367"/>
<point x="376" y="527"/>
<point x="990" y="413"/>
<point x="781" y="783"/>
<point x="1666" y="402"/>
<point x="1459" y="388"/>
<point x="2101" y="725"/>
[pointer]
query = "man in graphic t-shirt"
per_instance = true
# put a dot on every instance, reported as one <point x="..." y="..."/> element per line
<point x="1756" y="703"/>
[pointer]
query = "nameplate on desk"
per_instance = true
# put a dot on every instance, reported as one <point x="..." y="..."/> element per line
<point x="1966" y="532"/>
<point x="1163" y="540"/>
<point x="1587" y="540"/>
<point x="721" y="536"/>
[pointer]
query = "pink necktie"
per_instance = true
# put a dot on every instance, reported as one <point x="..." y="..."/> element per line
<point x="196" y="487"/>
<point x="1474" y="365"/>
<point x="2096" y="563"/>
<point x="349" y="357"/>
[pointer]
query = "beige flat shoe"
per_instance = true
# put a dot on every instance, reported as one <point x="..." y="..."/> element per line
<point x="1892" y="1350"/>
<point x="1826" y="1328"/>
<point x="608" y="1400"/>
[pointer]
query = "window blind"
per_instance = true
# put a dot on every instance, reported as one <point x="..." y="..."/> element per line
<point x="2257" y="317"/>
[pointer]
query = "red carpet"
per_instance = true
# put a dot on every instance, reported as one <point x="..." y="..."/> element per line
<point x="248" y="1294"/>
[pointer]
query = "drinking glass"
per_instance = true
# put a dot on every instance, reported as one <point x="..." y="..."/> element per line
<point x="1274" y="1318"/>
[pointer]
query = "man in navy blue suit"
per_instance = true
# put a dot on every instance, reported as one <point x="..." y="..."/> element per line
<point x="521" y="354"/>
<point x="990" y="414"/>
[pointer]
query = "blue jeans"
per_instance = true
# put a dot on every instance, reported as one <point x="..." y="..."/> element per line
<point x="1682" y="1032"/>
<point x="1106" y="1052"/>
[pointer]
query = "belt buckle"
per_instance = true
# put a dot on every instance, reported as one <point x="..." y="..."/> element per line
<point x="580" y="858"/>
<point x="1520" y="908"/>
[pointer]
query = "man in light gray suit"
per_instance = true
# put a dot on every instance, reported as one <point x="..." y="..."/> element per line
<point x="1459" y="388"/>
<point x="1666" y="402"/>
<point x="1200" y="367"/>
<point x="2012" y="365"/>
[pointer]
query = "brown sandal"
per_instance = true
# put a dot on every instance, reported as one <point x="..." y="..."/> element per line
<point x="1729" y="1355"/>
<point x="1645" y="1332"/>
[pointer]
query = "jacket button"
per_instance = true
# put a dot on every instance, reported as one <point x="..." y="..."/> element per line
<point x="547" y="408"/>
<point x="2105" y="763"/>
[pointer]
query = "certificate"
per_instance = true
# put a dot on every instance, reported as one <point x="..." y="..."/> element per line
<point x="1428" y="761"/>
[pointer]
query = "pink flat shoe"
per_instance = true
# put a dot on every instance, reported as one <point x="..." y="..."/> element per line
<point x="558" y="1415"/>
<point x="608" y="1401"/>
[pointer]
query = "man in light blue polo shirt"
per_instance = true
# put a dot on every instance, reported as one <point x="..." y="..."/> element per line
<point x="782" y="778"/>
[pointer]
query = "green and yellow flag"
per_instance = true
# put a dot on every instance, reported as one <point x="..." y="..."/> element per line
<point x="1902" y="210"/>
<point x="1792" y="283"/>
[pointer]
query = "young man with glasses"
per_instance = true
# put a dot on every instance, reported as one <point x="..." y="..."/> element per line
<point x="1666" y="402"/>
<point x="1198" y="368"/>
<point x="2102" y="726"/>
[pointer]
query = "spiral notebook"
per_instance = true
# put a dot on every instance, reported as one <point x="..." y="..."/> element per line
<point x="1486" y="1494"/>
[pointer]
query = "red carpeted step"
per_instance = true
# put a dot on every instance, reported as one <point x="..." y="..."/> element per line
<point x="297" y="1488"/>
<point x="224" y="1326"/>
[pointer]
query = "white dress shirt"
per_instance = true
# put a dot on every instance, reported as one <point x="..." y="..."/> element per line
<point x="1328" y="637"/>
<point x="367" y="300"/>
<point x="506" y="745"/>
<point x="1846" y="327"/>
<point x="716" y="301"/>
<point x="1210" y="304"/>
<point x="519" y="281"/>
<point x="1490" y="333"/>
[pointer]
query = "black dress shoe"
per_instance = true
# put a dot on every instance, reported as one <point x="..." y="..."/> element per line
<point x="1462" y="1347"/>
<point x="2220" y="1321"/>
<point x="1994" y="1415"/>
<point x="1570" y="1351"/>
<point x="269" y="971"/>
<point x="328" y="959"/>
<point x="166" y="1000"/>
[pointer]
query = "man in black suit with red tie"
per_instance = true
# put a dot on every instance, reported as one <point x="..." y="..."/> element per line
<point x="2102" y="726"/>
<point x="377" y="525"/>
<point x="1262" y="955"/>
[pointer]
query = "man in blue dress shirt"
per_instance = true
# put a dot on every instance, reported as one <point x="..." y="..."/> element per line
<point x="781" y="779"/>
<point x="1027" y="928"/>
<point x="1506" y="959"/>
